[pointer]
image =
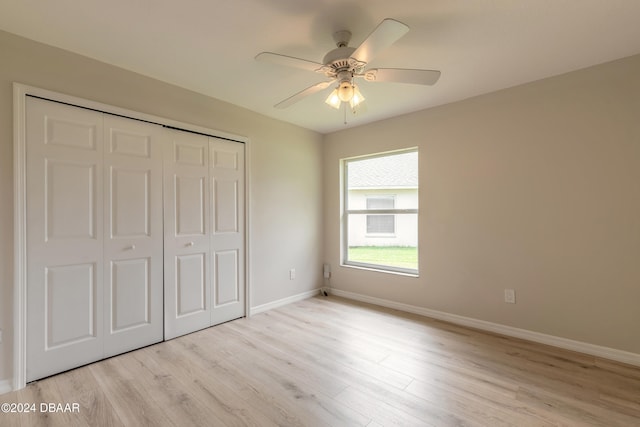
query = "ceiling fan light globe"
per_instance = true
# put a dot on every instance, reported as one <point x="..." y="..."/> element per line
<point x="345" y="91"/>
<point x="357" y="98"/>
<point x="333" y="100"/>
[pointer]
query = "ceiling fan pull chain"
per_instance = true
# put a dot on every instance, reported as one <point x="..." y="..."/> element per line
<point x="345" y="112"/>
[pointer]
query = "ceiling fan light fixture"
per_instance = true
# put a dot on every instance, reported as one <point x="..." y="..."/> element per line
<point x="333" y="99"/>
<point x="357" y="98"/>
<point x="345" y="91"/>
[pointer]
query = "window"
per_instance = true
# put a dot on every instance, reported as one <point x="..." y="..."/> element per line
<point x="380" y="216"/>
<point x="380" y="223"/>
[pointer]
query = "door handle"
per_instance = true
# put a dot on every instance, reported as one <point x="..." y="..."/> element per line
<point x="189" y="244"/>
<point x="130" y="248"/>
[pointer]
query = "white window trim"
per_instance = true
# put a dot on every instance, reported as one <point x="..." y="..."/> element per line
<point x="345" y="213"/>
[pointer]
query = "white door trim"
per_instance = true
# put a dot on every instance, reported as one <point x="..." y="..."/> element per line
<point x="20" y="92"/>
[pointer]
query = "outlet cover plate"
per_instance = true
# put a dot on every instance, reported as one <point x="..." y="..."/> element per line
<point x="510" y="296"/>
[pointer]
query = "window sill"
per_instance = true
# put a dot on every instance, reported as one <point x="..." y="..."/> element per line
<point x="380" y="270"/>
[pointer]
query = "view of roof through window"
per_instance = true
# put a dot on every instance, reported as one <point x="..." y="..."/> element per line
<point x="391" y="171"/>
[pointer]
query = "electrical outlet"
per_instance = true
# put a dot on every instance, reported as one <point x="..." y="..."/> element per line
<point x="292" y="274"/>
<point x="326" y="271"/>
<point x="510" y="296"/>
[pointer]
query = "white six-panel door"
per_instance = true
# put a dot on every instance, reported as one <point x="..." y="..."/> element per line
<point x="101" y="259"/>
<point x="94" y="236"/>
<point x="64" y="237"/>
<point x="204" y="232"/>
<point x="226" y="166"/>
<point x="186" y="240"/>
<point x="133" y="237"/>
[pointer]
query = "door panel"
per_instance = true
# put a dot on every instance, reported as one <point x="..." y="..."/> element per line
<point x="133" y="237"/>
<point x="190" y="205"/>
<point x="130" y="293"/>
<point x="70" y="199"/>
<point x="64" y="245"/>
<point x="129" y="144"/>
<point x="226" y="278"/>
<point x="188" y="151"/>
<point x="191" y="285"/>
<point x="70" y="304"/>
<point x="63" y="129"/>
<point x="130" y="203"/>
<point x="227" y="238"/>
<point x="226" y="205"/>
<point x="186" y="240"/>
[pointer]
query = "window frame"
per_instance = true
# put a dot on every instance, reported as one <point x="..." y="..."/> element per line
<point x="346" y="212"/>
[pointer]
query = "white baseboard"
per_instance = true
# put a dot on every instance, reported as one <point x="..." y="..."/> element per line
<point x="567" y="344"/>
<point x="5" y="386"/>
<point x="284" y="301"/>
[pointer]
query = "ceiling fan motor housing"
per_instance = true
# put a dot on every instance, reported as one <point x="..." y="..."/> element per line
<point x="338" y="58"/>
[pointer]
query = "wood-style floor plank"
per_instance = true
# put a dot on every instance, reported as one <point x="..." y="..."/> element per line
<point x="327" y="361"/>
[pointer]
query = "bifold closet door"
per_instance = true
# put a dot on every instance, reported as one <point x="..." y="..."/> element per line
<point x="94" y="236"/>
<point x="64" y="237"/>
<point x="226" y="165"/>
<point x="133" y="236"/>
<point x="186" y="241"/>
<point x="204" y="232"/>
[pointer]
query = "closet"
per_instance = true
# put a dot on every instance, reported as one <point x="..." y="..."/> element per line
<point x="134" y="234"/>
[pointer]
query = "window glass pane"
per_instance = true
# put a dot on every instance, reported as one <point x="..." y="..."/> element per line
<point x="396" y="249"/>
<point x="386" y="240"/>
<point x="380" y="174"/>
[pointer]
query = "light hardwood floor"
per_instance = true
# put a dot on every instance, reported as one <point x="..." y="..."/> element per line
<point x="329" y="361"/>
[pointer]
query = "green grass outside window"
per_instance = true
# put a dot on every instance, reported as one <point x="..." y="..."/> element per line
<point x="393" y="256"/>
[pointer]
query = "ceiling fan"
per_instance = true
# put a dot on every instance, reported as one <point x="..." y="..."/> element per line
<point x="343" y="64"/>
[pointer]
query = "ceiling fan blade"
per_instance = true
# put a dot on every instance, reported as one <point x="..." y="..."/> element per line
<point x="302" y="94"/>
<point x="385" y="34"/>
<point x="401" y="75"/>
<point x="289" y="61"/>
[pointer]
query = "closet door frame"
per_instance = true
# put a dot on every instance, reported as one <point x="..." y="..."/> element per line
<point x="20" y="93"/>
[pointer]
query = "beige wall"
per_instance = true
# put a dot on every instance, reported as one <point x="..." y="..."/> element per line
<point x="534" y="188"/>
<point x="285" y="172"/>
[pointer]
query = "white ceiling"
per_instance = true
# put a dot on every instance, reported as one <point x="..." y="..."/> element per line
<point x="208" y="46"/>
